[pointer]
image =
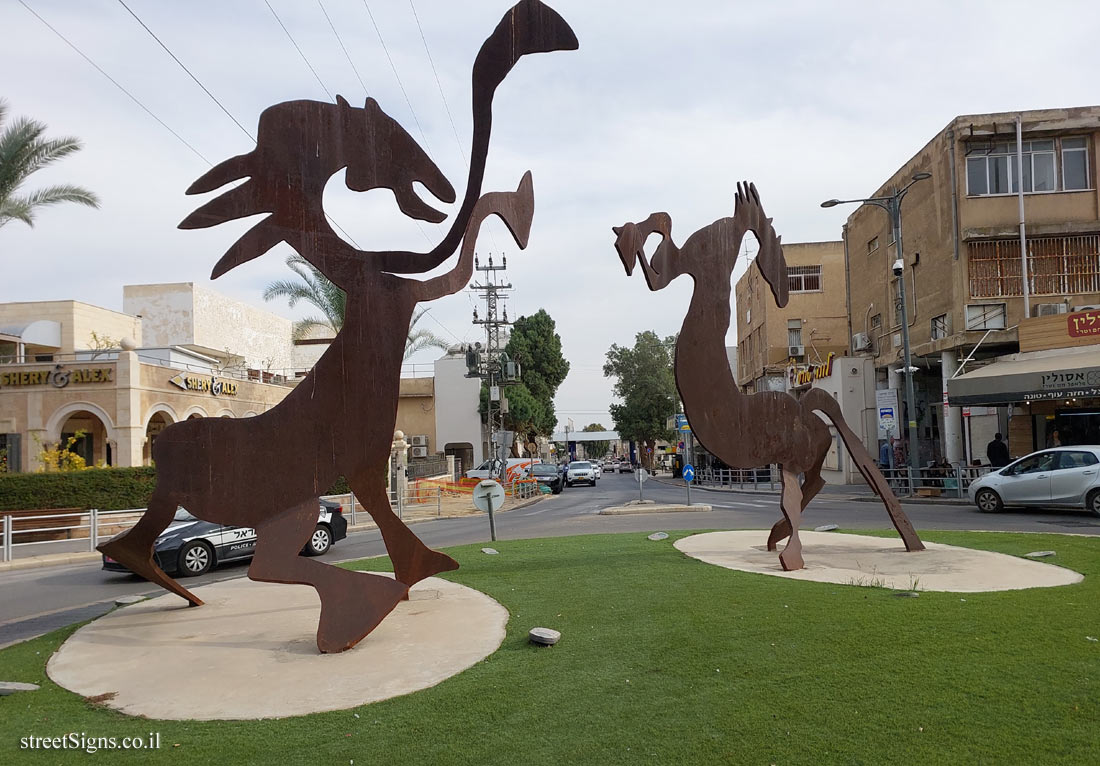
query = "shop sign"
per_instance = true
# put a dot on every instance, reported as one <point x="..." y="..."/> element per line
<point x="58" y="377"/>
<point x="806" y="376"/>
<point x="204" y="384"/>
<point x="1082" y="324"/>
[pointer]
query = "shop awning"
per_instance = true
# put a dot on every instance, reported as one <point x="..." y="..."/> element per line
<point x="1029" y="378"/>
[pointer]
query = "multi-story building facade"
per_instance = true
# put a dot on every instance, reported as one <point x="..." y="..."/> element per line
<point x="813" y="324"/>
<point x="962" y="269"/>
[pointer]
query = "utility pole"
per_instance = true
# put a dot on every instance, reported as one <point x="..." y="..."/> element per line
<point x="493" y="365"/>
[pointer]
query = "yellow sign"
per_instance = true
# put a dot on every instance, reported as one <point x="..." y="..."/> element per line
<point x="58" y="377"/>
<point x="806" y="376"/>
<point x="202" y="383"/>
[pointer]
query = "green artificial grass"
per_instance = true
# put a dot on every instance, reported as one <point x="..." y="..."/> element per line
<point x="665" y="659"/>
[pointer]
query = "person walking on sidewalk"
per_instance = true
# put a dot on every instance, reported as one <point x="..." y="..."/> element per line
<point x="997" y="452"/>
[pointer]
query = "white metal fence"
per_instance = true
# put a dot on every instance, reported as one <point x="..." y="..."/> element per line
<point x="952" y="482"/>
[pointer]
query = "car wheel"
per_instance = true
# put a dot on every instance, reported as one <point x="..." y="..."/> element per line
<point x="556" y="490"/>
<point x="319" y="542"/>
<point x="196" y="558"/>
<point x="988" y="501"/>
<point x="1093" y="502"/>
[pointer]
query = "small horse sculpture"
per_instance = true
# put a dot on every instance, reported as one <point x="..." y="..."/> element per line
<point x="746" y="431"/>
<point x="267" y="471"/>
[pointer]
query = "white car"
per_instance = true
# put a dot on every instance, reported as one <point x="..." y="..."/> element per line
<point x="1063" y="476"/>
<point x="598" y="469"/>
<point x="580" y="471"/>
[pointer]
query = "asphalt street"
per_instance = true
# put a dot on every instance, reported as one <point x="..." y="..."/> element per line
<point x="36" y="601"/>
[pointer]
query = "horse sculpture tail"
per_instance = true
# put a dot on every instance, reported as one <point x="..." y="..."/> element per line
<point x="820" y="401"/>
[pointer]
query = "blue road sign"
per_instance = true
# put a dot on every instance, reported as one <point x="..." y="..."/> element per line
<point x="689" y="473"/>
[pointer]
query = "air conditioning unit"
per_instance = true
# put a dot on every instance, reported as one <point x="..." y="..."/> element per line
<point x="796" y="351"/>
<point x="1050" y="309"/>
<point x="419" y="451"/>
<point x="861" y="341"/>
<point x="420" y="441"/>
<point x="1086" y="308"/>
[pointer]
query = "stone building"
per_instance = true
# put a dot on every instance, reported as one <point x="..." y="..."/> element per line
<point x="962" y="270"/>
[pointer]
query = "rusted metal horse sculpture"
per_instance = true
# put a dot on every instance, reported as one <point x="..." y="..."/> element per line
<point x="267" y="471"/>
<point x="747" y="431"/>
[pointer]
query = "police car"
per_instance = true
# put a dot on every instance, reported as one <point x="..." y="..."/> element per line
<point x="190" y="546"/>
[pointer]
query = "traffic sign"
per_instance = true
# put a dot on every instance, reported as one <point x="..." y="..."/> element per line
<point x="489" y="496"/>
<point x="689" y="473"/>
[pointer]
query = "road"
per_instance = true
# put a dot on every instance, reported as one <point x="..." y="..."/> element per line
<point x="36" y="601"/>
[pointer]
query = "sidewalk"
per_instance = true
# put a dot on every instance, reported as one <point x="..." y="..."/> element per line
<point x="856" y="492"/>
<point x="60" y="559"/>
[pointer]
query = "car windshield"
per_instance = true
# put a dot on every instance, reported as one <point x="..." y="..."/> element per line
<point x="580" y="465"/>
<point x="544" y="469"/>
<point x="183" y="515"/>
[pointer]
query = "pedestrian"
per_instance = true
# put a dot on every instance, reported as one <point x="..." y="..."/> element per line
<point x="997" y="452"/>
<point x="886" y="454"/>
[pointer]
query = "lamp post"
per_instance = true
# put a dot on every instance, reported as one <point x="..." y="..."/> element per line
<point x="892" y="205"/>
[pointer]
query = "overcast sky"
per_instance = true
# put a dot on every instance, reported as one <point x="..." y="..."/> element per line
<point x="664" y="107"/>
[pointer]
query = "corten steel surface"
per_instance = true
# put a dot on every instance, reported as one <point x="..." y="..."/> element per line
<point x="267" y="471"/>
<point x="746" y="431"/>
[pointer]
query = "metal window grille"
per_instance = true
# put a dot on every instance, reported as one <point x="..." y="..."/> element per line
<point x="804" y="279"/>
<point x="939" y="327"/>
<point x="1056" y="266"/>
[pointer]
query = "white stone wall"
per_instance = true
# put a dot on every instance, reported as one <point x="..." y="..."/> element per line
<point x="186" y="314"/>
<point x="456" y="401"/>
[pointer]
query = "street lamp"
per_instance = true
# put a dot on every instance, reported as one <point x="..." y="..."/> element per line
<point x="892" y="205"/>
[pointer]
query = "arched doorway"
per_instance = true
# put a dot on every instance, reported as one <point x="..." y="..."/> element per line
<point x="464" y="456"/>
<point x="157" y="423"/>
<point x="84" y="434"/>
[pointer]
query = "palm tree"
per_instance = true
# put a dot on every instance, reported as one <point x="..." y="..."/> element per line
<point x="315" y="288"/>
<point x="23" y="150"/>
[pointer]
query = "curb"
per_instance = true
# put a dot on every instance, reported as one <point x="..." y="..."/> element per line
<point x="950" y="501"/>
<point x="627" y="510"/>
<point x="60" y="559"/>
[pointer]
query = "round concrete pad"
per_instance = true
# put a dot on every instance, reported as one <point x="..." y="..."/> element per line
<point x="251" y="652"/>
<point x="862" y="560"/>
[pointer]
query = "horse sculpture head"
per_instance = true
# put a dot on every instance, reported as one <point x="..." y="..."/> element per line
<point x="299" y="146"/>
<point x="749" y="215"/>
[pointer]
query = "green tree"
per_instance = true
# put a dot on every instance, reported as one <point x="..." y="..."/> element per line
<point x="537" y="347"/>
<point x="314" y="288"/>
<point x="24" y="151"/>
<point x="645" y="382"/>
<point x="596" y="449"/>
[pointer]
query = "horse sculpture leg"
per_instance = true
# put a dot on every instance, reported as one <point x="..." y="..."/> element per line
<point x="412" y="560"/>
<point x="791" y="504"/>
<point x="811" y="485"/>
<point x="134" y="547"/>
<point x="352" y="603"/>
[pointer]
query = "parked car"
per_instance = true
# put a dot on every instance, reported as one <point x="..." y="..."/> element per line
<point x="548" y="474"/>
<point x="580" y="471"/>
<point x="515" y="468"/>
<point x="626" y="467"/>
<point x="191" y="546"/>
<point x="1066" y="477"/>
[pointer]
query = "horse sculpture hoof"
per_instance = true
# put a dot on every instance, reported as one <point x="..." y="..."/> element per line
<point x="349" y="614"/>
<point x="791" y="559"/>
<point x="142" y="564"/>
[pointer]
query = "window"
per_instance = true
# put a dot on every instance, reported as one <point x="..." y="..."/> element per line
<point x="985" y="316"/>
<point x="804" y="279"/>
<point x="939" y="327"/>
<point x="872" y="246"/>
<point x="991" y="166"/>
<point x="1058" y="266"/>
<point x="794" y="332"/>
<point x="1077" y="460"/>
<point x="1075" y="163"/>
<point x="876" y="325"/>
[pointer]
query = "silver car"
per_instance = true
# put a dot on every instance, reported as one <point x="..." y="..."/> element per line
<point x="1063" y="476"/>
<point x="578" y="471"/>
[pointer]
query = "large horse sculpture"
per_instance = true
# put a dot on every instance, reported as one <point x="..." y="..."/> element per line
<point x="747" y="431"/>
<point x="267" y="471"/>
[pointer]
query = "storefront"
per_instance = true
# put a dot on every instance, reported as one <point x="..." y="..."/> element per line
<point x="1054" y="396"/>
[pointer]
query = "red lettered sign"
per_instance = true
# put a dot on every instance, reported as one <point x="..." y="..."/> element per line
<point x="1083" y="324"/>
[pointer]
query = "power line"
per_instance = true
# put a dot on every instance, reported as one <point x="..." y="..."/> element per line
<point x="399" y="83"/>
<point x="291" y="38"/>
<point x="439" y="85"/>
<point x="115" y="82"/>
<point x="345" y="50"/>
<point x="185" y="69"/>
